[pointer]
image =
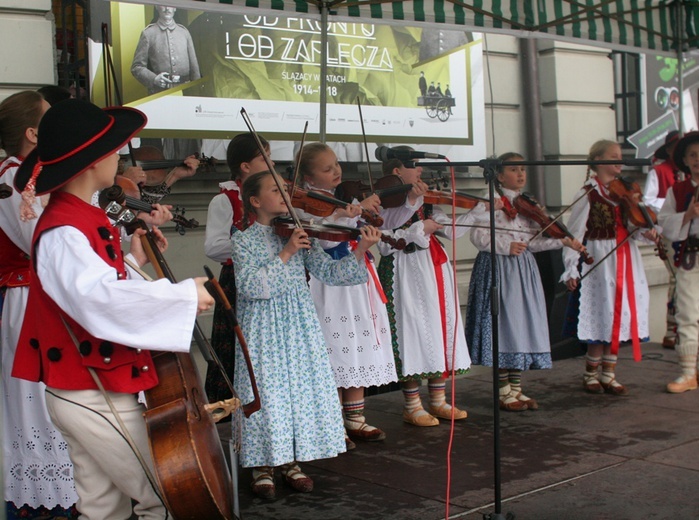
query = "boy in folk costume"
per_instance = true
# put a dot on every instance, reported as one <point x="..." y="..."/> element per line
<point x="84" y="312"/>
<point x="679" y="219"/>
<point x="661" y="177"/>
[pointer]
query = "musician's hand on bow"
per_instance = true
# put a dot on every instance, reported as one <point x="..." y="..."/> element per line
<point x="572" y="284"/>
<point x="692" y="211"/>
<point x="429" y="226"/>
<point x="517" y="248"/>
<point x="372" y="203"/>
<point x="574" y="244"/>
<point x="297" y="241"/>
<point x="349" y="211"/>
<point x="419" y="189"/>
<point x="135" y="174"/>
<point x="204" y="300"/>
<point x="652" y="235"/>
<point x="161" y="213"/>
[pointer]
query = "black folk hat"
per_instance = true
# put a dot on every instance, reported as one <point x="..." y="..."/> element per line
<point x="681" y="148"/>
<point x="663" y="153"/>
<point x="74" y="135"/>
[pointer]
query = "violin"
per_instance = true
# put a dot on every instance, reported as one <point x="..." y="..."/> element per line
<point x="528" y="207"/>
<point x="390" y="189"/>
<point x="462" y="200"/>
<point x="5" y="190"/>
<point x="284" y="227"/>
<point x="322" y="205"/>
<point x="629" y="196"/>
<point x="126" y="194"/>
<point x="153" y="162"/>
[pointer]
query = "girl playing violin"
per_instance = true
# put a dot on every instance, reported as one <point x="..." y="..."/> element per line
<point x="300" y="419"/>
<point x="353" y="318"/>
<point x="679" y="219"/>
<point x="225" y="217"/>
<point x="614" y="299"/>
<point x="424" y="317"/>
<point x="523" y="324"/>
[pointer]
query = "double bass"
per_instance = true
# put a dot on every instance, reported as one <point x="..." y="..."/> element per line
<point x="188" y="458"/>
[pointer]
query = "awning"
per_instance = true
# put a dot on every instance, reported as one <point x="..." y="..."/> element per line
<point x="647" y="26"/>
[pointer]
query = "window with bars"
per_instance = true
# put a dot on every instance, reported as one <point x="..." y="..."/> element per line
<point x="627" y="95"/>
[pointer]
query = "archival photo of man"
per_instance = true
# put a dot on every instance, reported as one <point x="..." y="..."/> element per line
<point x="165" y="58"/>
<point x="165" y="55"/>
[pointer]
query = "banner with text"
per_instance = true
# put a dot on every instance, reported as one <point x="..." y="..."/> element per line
<point x="192" y="71"/>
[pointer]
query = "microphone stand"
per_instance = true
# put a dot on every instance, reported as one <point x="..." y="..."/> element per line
<point x="490" y="168"/>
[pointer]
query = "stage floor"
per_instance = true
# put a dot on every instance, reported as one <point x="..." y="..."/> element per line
<point x="579" y="457"/>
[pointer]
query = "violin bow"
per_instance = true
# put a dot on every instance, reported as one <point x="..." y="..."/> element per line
<point x="608" y="255"/>
<point x="110" y="74"/>
<point x="366" y="147"/>
<point x="216" y="291"/>
<point x="298" y="160"/>
<point x="270" y="166"/>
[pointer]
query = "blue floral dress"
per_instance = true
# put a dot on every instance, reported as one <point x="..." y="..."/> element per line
<point x="301" y="417"/>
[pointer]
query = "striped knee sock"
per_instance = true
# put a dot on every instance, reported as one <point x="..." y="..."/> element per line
<point x="354" y="415"/>
<point x="515" y="379"/>
<point x="608" y="368"/>
<point x="412" y="399"/>
<point x="591" y="366"/>
<point x="437" y="394"/>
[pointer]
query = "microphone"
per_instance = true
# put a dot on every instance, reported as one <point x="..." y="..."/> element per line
<point x="384" y="153"/>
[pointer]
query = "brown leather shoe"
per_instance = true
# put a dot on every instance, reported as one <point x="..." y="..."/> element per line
<point x="532" y="404"/>
<point x="592" y="385"/>
<point x="263" y="482"/>
<point x="669" y="342"/>
<point x="365" y="433"/>
<point x="510" y="403"/>
<point x="296" y="478"/>
<point x="614" y="388"/>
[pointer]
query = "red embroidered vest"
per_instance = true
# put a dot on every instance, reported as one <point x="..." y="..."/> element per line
<point x="667" y="176"/>
<point x="45" y="351"/>
<point x="14" y="263"/>
<point x="600" y="221"/>
<point x="237" y="205"/>
<point x="683" y="192"/>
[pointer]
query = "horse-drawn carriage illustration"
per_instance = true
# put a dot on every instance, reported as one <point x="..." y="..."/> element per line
<point x="437" y="106"/>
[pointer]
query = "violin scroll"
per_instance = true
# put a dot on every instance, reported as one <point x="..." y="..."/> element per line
<point x="628" y="194"/>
